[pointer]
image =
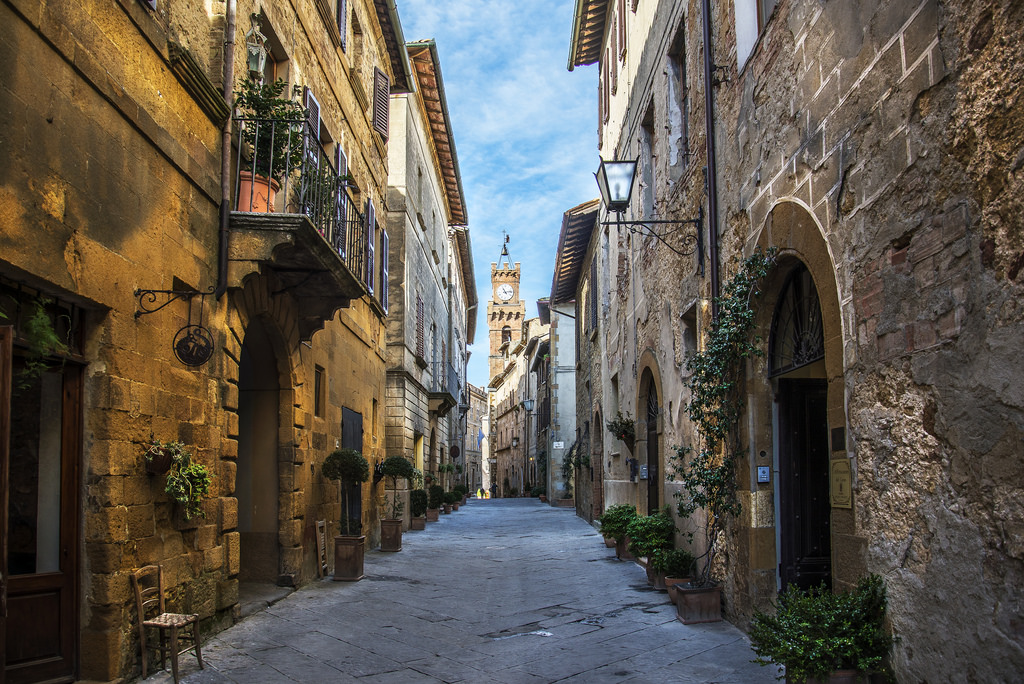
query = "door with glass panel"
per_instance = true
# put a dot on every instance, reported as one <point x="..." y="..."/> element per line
<point x="39" y="446"/>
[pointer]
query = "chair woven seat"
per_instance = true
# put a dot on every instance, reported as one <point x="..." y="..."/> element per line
<point x="149" y="601"/>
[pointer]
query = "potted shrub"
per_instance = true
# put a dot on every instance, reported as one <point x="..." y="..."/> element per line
<point x="461" y="490"/>
<point x="435" y="500"/>
<point x="649" y="534"/>
<point x="677" y="564"/>
<point x="418" y="509"/>
<point x="272" y="130"/>
<point x="707" y="470"/>
<point x="393" y="468"/>
<point x="451" y="501"/>
<point x="348" y="467"/>
<point x="614" y="522"/>
<point x="187" y="481"/>
<point x="823" y="637"/>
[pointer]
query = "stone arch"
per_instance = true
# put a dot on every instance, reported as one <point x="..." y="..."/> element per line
<point x="649" y="414"/>
<point x="794" y="231"/>
<point x="263" y="324"/>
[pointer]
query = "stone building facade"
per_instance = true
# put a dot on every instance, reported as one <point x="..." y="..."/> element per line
<point x="476" y="437"/>
<point x="121" y="232"/>
<point x="876" y="147"/>
<point x="431" y="286"/>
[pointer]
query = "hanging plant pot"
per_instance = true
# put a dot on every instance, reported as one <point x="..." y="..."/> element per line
<point x="159" y="460"/>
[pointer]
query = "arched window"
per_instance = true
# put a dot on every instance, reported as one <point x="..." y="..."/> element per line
<point x="797" y="338"/>
<point x="506" y="334"/>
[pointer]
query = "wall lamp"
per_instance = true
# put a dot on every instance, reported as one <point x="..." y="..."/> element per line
<point x="615" y="181"/>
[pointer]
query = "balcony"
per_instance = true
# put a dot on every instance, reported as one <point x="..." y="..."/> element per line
<point x="304" y="228"/>
<point x="444" y="388"/>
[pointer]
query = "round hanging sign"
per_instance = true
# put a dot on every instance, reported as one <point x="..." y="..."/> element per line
<point x="193" y="345"/>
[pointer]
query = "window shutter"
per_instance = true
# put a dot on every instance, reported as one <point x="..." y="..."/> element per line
<point x="371" y="221"/>
<point x="622" y="28"/>
<point x="613" y="62"/>
<point x="381" y="96"/>
<point x="312" y="136"/>
<point x="340" y="202"/>
<point x="384" y="270"/>
<point x="593" y="294"/>
<point x="342" y="22"/>
<point x="420" y="337"/>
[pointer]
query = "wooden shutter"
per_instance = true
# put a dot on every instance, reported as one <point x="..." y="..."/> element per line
<point x="622" y="28"/>
<point x="312" y="136"/>
<point x="341" y="203"/>
<point x="384" y="270"/>
<point x="593" y="295"/>
<point x="371" y="222"/>
<point x="381" y="98"/>
<point x="420" y="336"/>
<point x="343" y="22"/>
<point x="613" y="62"/>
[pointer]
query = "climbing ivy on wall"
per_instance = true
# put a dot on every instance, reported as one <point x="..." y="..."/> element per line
<point x="716" y="405"/>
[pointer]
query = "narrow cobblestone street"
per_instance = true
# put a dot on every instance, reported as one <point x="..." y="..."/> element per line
<point x="509" y="590"/>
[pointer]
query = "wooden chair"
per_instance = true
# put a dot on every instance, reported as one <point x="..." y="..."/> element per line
<point x="170" y="627"/>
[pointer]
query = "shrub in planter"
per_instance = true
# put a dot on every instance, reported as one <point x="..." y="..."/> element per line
<point x="816" y="633"/>
<point x="273" y="130"/>
<point x="538" y="491"/>
<point x="452" y="497"/>
<point x="676" y="563"/>
<point x="418" y="502"/>
<point x="349" y="467"/>
<point x="395" y="467"/>
<point x="650" y="533"/>
<point x="461" y="490"/>
<point x="436" y="496"/>
<point x="615" y="520"/>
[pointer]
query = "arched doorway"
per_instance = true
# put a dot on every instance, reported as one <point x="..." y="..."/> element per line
<point x="796" y="363"/>
<point x="649" y="409"/>
<point x="256" y="484"/>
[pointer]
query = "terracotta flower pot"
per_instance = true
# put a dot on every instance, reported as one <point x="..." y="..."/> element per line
<point x="622" y="550"/>
<point x="694" y="606"/>
<point x="348" y="558"/>
<point x="455" y="506"/>
<point x="418" y="523"/>
<point x="391" y="535"/>
<point x="656" y="579"/>
<point x="670" y="586"/>
<point x="432" y="514"/>
<point x="256" y="193"/>
<point x="609" y="542"/>
<point x="447" y="508"/>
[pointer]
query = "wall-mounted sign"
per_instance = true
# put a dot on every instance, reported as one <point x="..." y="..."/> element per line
<point x="842" y="489"/>
<point x="558" y="445"/>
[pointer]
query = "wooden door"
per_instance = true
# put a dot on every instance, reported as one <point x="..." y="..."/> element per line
<point x="806" y="554"/>
<point x="653" y="453"/>
<point x="6" y="339"/>
<point x="40" y="500"/>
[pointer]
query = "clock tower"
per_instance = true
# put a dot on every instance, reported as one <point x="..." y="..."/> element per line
<point x="505" y="311"/>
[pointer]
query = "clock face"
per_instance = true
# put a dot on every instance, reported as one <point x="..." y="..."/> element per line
<point x="505" y="292"/>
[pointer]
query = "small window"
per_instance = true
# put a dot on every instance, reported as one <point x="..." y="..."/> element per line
<point x="506" y="334"/>
<point x="318" y="392"/>
<point x="751" y="17"/>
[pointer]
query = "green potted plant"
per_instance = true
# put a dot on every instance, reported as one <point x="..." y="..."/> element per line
<point x="624" y="428"/>
<point x="707" y="470"/>
<point x="349" y="468"/>
<point x="187" y="481"/>
<point x="649" y="534"/>
<point x="614" y="522"/>
<point x="819" y="636"/>
<point x="451" y="501"/>
<point x="435" y="502"/>
<point x="393" y="468"/>
<point x="159" y="456"/>
<point x="677" y="565"/>
<point x="272" y="131"/>
<point x="418" y="509"/>
<point x="462" y="490"/>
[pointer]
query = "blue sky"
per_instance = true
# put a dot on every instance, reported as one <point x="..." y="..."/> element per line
<point x="525" y="131"/>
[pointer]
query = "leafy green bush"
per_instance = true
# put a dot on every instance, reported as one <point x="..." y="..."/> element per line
<point x="650" y="533"/>
<point x="615" y="519"/>
<point x="394" y="467"/>
<point x="349" y="467"/>
<point x="673" y="562"/>
<point x="436" y="496"/>
<point x="418" y="502"/>
<point x="452" y="498"/>
<point x="461" y="490"/>
<point x="816" y="632"/>
<point x="187" y="481"/>
<point x="539" y="491"/>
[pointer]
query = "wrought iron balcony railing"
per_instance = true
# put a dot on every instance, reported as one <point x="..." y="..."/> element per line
<point x="286" y="171"/>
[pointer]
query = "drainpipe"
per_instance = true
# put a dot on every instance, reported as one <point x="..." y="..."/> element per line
<point x="225" y="149"/>
<point x="712" y="171"/>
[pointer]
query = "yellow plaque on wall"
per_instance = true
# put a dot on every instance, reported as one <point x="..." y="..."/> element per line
<point x="842" y="484"/>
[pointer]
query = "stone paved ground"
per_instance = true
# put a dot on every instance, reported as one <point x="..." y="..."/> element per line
<point x="509" y="590"/>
